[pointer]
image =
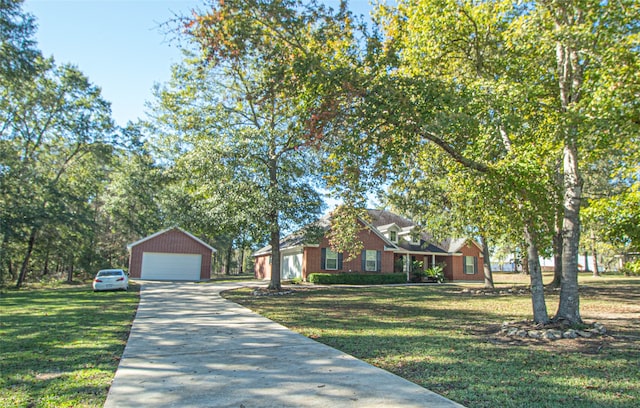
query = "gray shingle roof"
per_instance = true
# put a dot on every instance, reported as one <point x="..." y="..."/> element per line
<point x="377" y="218"/>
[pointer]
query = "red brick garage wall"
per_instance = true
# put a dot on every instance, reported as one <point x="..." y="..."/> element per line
<point x="174" y="242"/>
<point x="262" y="268"/>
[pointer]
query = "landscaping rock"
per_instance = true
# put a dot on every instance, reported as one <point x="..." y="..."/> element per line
<point x="535" y="334"/>
<point x="552" y="334"/>
<point x="259" y="292"/>
<point x="600" y="328"/>
<point x="524" y="329"/>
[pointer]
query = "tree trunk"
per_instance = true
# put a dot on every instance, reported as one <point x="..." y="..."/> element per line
<point x="557" y="259"/>
<point x="570" y="73"/>
<point x="228" y="259"/>
<point x="488" y="275"/>
<point x="27" y="257"/>
<point x="569" y="306"/>
<point x="596" y="273"/>
<point x="525" y="264"/>
<point x="45" y="269"/>
<point x="4" y="260"/>
<point x="274" y="222"/>
<point x="586" y="261"/>
<point x="70" y="273"/>
<point x="241" y="268"/>
<point x="540" y="314"/>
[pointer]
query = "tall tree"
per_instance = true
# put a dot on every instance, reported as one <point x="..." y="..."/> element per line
<point x="58" y="124"/>
<point x="240" y="107"/>
<point x="508" y="91"/>
<point x="596" y="52"/>
<point x="18" y="51"/>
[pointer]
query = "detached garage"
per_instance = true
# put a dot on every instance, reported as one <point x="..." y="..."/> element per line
<point x="173" y="255"/>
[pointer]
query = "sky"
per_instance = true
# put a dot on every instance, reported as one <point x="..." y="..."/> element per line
<point x="120" y="45"/>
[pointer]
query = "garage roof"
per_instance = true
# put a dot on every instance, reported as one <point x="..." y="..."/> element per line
<point x="169" y="229"/>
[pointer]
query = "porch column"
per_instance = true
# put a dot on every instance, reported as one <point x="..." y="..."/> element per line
<point x="407" y="266"/>
<point x="433" y="260"/>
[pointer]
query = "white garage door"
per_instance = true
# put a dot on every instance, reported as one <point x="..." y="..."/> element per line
<point x="160" y="266"/>
<point x="292" y="266"/>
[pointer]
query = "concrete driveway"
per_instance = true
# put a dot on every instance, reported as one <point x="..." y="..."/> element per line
<point x="189" y="347"/>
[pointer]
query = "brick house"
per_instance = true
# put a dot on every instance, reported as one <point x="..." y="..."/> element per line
<point x="391" y="244"/>
<point x="172" y="254"/>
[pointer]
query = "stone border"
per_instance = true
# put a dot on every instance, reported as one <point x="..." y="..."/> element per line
<point x="267" y="292"/>
<point x="556" y="332"/>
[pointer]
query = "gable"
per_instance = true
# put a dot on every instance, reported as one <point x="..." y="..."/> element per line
<point x="179" y="236"/>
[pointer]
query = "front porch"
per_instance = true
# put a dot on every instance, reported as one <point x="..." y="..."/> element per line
<point x="415" y="264"/>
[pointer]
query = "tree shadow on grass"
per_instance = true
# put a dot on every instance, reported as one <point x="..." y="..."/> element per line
<point x="434" y="337"/>
<point x="49" y="334"/>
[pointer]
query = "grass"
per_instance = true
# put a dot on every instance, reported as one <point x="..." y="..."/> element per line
<point x="447" y="341"/>
<point x="218" y="278"/>
<point x="60" y="346"/>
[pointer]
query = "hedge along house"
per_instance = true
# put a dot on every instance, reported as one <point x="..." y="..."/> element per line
<point x="171" y="255"/>
<point x="391" y="243"/>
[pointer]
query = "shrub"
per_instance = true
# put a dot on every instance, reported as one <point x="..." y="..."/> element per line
<point x="631" y="268"/>
<point x="436" y="273"/>
<point x="357" y="278"/>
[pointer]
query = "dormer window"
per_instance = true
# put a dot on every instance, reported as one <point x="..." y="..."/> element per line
<point x="415" y="239"/>
<point x="393" y="236"/>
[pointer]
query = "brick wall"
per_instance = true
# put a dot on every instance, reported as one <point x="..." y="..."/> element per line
<point x="455" y="265"/>
<point x="262" y="267"/>
<point x="312" y="259"/>
<point x="173" y="241"/>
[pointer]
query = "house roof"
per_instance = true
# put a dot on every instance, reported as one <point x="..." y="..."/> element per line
<point x="129" y="246"/>
<point x="455" y="244"/>
<point x="298" y="238"/>
<point x="379" y="220"/>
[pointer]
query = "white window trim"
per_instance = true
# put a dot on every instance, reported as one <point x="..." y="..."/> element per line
<point x="367" y="254"/>
<point x="328" y="257"/>
<point x="392" y="238"/>
<point x="473" y="264"/>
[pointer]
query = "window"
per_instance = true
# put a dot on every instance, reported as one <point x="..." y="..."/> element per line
<point x="331" y="260"/>
<point x="470" y="265"/>
<point x="415" y="239"/>
<point x="393" y="236"/>
<point x="371" y="261"/>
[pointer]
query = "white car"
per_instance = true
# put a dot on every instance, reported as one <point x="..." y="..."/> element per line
<point x="111" y="279"/>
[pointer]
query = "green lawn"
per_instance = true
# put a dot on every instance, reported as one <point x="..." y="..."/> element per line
<point x="446" y="341"/>
<point x="60" y="347"/>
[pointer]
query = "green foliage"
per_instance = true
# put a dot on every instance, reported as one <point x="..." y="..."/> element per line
<point x="631" y="268"/>
<point x="18" y="52"/>
<point x="357" y="278"/>
<point x="346" y="224"/>
<point x="61" y="346"/>
<point x="436" y="272"/>
<point x="55" y="148"/>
